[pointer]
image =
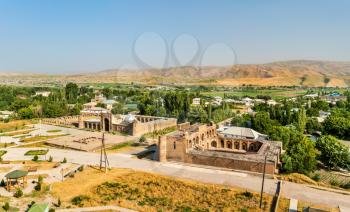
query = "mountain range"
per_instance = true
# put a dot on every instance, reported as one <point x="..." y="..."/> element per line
<point x="284" y="73"/>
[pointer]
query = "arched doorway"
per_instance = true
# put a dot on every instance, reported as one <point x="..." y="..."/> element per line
<point x="106" y="123"/>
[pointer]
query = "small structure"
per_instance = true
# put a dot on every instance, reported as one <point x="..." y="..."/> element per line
<point x="196" y="101"/>
<point x="43" y="93"/>
<point x="43" y="207"/>
<point x="15" y="175"/>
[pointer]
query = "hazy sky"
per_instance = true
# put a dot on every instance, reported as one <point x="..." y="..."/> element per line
<point x="56" y="36"/>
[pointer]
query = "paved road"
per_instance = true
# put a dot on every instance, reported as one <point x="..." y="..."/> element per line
<point x="290" y="190"/>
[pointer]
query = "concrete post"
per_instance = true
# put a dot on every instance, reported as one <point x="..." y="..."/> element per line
<point x="162" y="148"/>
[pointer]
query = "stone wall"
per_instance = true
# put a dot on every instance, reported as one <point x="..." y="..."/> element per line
<point x="251" y="166"/>
<point x="140" y="128"/>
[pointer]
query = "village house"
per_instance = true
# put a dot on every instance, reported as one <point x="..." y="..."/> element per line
<point x="196" y="101"/>
<point x="42" y="93"/>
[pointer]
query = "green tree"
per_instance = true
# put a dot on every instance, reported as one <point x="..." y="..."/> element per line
<point x="26" y="113"/>
<point x="118" y="108"/>
<point x="333" y="153"/>
<point x="301" y="120"/>
<point x="262" y="122"/>
<point x="313" y="125"/>
<point x="72" y="92"/>
<point x="337" y="126"/>
<point x="302" y="154"/>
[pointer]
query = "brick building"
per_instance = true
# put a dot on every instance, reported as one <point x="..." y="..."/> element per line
<point x="233" y="148"/>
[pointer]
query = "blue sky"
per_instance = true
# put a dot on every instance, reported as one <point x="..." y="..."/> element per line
<point x="64" y="36"/>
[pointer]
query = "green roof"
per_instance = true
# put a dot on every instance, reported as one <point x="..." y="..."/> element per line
<point x="16" y="174"/>
<point x="131" y="106"/>
<point x="39" y="207"/>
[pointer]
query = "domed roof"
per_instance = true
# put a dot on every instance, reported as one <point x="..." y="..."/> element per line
<point x="130" y="118"/>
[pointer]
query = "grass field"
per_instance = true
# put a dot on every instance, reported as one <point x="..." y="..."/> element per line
<point x="150" y="192"/>
<point x="19" y="132"/>
<point x="2" y="152"/>
<point x="39" y="138"/>
<point x="37" y="152"/>
<point x="53" y="131"/>
<point x="4" y="145"/>
<point x="14" y="125"/>
<point x="274" y="93"/>
<point x="37" y="144"/>
<point x="324" y="178"/>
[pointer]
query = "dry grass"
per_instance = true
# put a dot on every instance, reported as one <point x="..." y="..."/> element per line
<point x="5" y="169"/>
<point x="298" y="178"/>
<point x="39" y="138"/>
<point x="37" y="144"/>
<point x="40" y="165"/>
<point x="19" y="132"/>
<point x="14" y="125"/>
<point x="4" y="145"/>
<point x="302" y="204"/>
<point x="326" y="179"/>
<point x="150" y="192"/>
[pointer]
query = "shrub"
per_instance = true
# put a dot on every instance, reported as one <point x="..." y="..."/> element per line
<point x="334" y="182"/>
<point x="6" y="206"/>
<point x="2" y="183"/>
<point x="64" y="160"/>
<point x="346" y="185"/>
<point x="316" y="177"/>
<point x="247" y="194"/>
<point x="37" y="187"/>
<point x="18" y="193"/>
<point x="142" y="139"/>
<point x="40" y="179"/>
<point x="50" y="159"/>
<point x="81" y="168"/>
<point x="78" y="200"/>
<point x="51" y="210"/>
<point x="35" y="158"/>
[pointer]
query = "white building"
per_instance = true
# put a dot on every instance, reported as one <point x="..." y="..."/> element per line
<point x="217" y="100"/>
<point x="314" y="95"/>
<point x="43" y="93"/>
<point x="6" y="114"/>
<point x="196" y="101"/>
<point x="271" y="102"/>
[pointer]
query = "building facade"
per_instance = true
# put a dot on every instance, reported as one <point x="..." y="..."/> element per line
<point x="203" y="145"/>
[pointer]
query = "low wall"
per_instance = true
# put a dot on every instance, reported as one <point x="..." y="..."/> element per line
<point x="139" y="128"/>
<point x="229" y="163"/>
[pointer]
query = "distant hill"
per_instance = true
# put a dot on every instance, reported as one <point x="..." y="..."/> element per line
<point x="298" y="72"/>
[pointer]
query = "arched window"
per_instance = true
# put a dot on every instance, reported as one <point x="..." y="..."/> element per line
<point x="213" y="144"/>
<point x="229" y="144"/>
<point x="174" y="145"/>
<point x="236" y="145"/>
<point x="202" y="137"/>
<point x="251" y="147"/>
<point x="222" y="142"/>
<point x="244" y="146"/>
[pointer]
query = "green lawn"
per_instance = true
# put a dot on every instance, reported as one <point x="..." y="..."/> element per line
<point x="37" y="152"/>
<point x="2" y="152"/>
<point x="275" y="93"/>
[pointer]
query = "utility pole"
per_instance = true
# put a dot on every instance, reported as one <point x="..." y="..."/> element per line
<point x="104" y="163"/>
<point x="263" y="181"/>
